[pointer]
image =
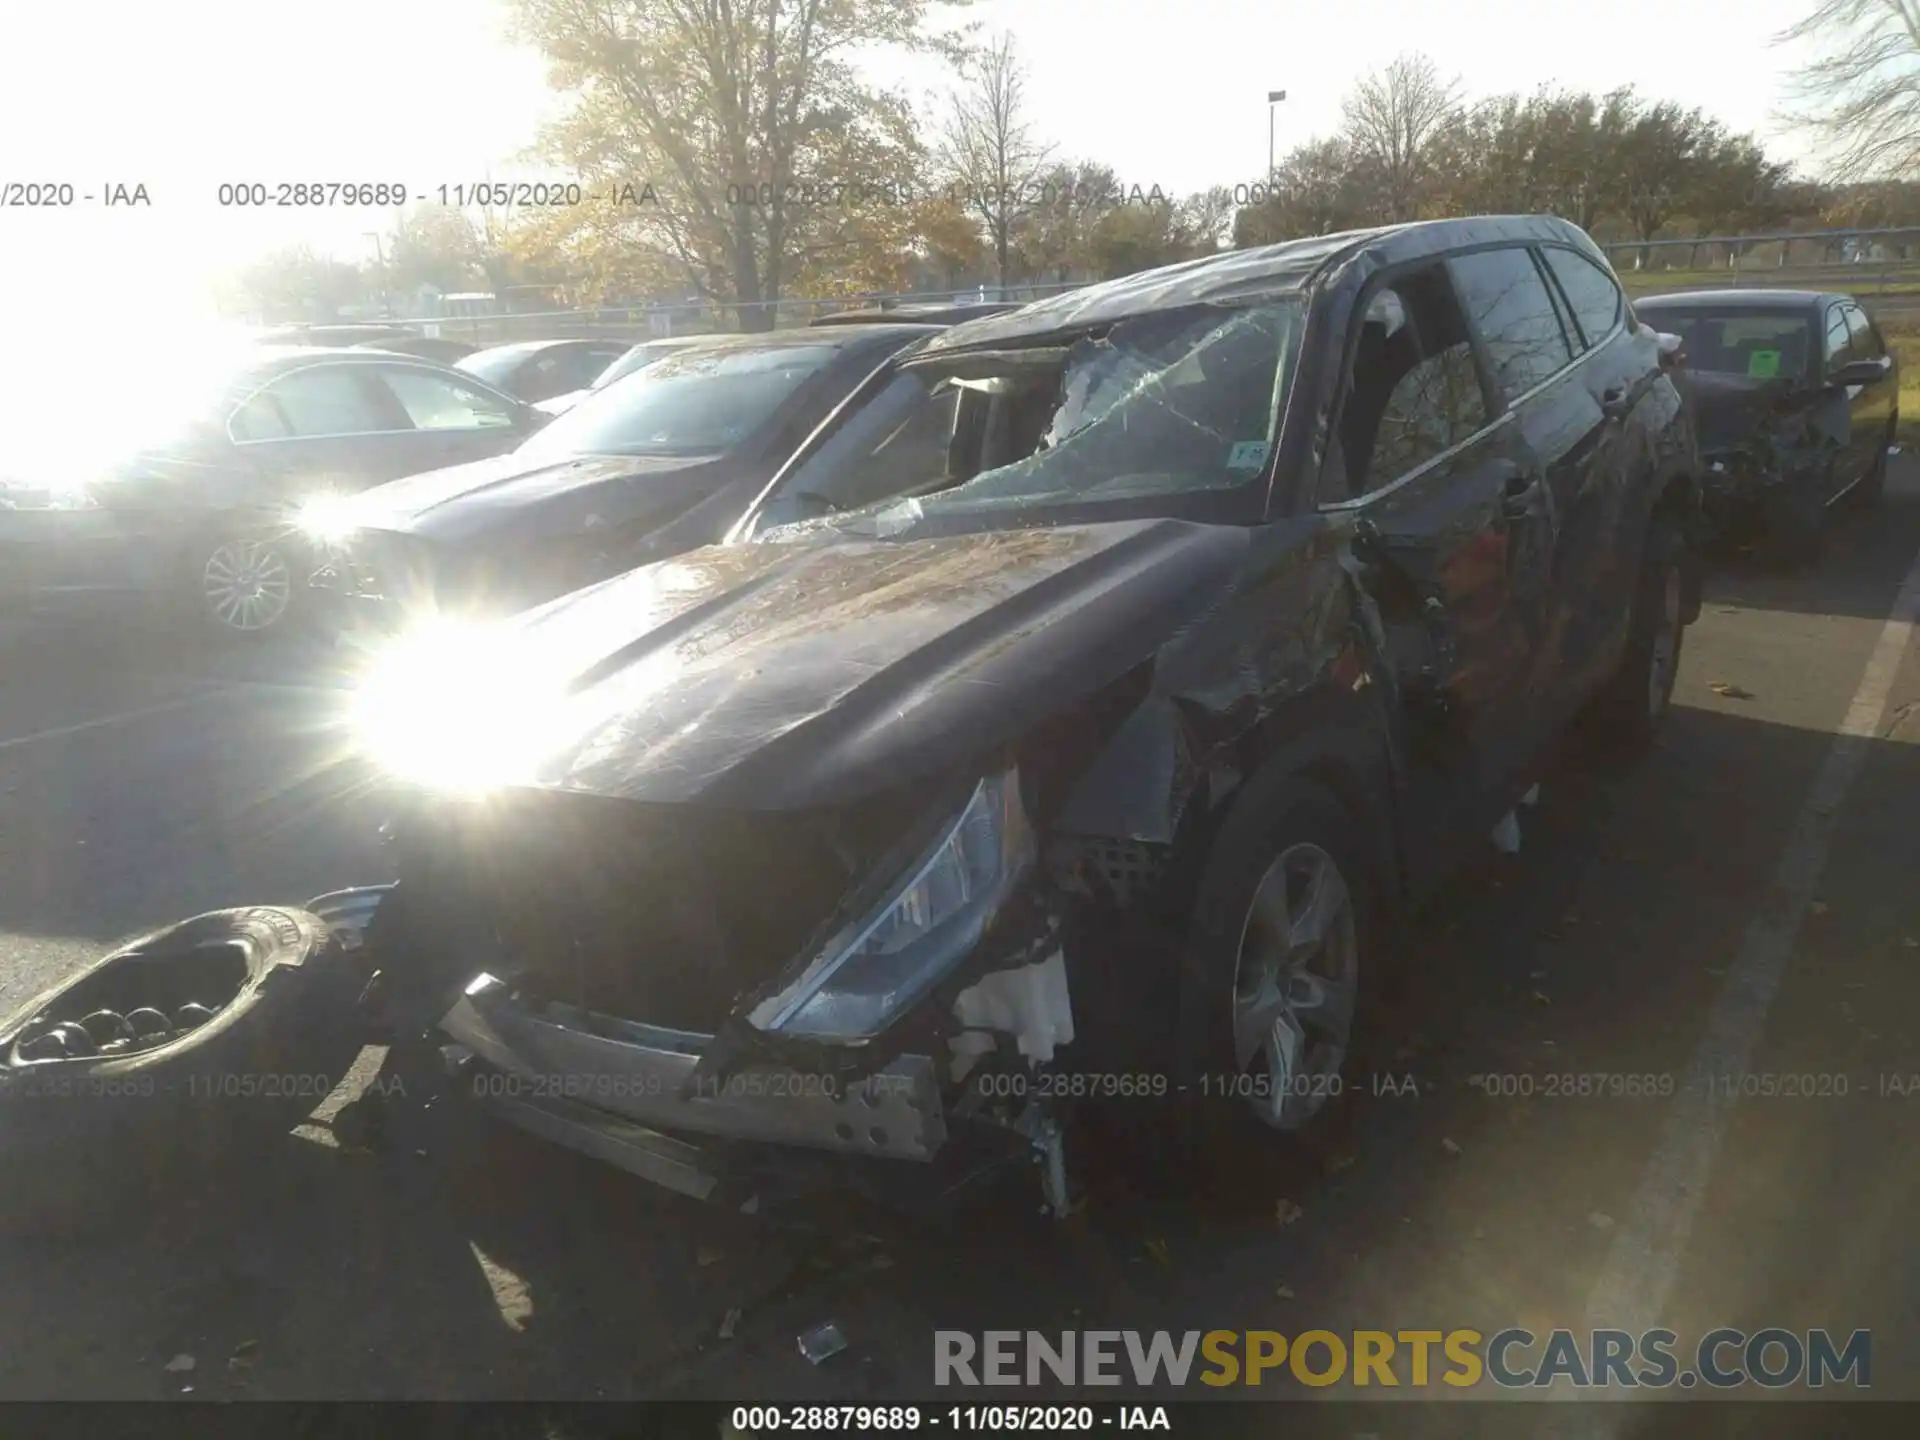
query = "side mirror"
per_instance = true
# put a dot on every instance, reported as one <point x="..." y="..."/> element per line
<point x="1862" y="372"/>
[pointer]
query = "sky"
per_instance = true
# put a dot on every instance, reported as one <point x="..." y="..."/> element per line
<point x="185" y="95"/>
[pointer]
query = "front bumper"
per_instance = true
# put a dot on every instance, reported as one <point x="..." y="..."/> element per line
<point x="624" y="1092"/>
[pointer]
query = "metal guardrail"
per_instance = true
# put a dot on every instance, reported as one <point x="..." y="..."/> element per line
<point x="642" y="322"/>
<point x="1865" y="261"/>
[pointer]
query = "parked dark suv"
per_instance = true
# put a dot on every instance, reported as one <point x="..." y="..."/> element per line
<point x="1080" y="701"/>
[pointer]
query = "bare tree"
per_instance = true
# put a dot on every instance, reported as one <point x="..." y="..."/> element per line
<point x="1862" y="94"/>
<point x="1392" y="119"/>
<point x="990" y="158"/>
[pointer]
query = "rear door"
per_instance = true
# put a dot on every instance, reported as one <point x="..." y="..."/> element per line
<point x="1564" y="433"/>
<point x="1439" y="488"/>
<point x="1615" y="400"/>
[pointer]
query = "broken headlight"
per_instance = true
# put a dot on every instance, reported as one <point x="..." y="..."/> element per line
<point x="876" y="967"/>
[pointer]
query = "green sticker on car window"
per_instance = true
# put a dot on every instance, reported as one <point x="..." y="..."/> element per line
<point x="1248" y="455"/>
<point x="1763" y="364"/>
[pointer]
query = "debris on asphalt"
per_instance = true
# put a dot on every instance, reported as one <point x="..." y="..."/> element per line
<point x="179" y="1364"/>
<point x="1819" y="907"/>
<point x="708" y="1257"/>
<point x="1540" y="999"/>
<point x="1910" y="942"/>
<point x="1452" y="1147"/>
<point x="1532" y="797"/>
<point x="1284" y="1292"/>
<point x="822" y="1342"/>
<point x="1339" y="1163"/>
<point x="1158" y="1249"/>
<point x="1731" y="692"/>
<point x="1479" y="1232"/>
<point x="1286" y="1212"/>
<point x="1506" y="835"/>
<point x="728" y="1323"/>
<point x="1536" y="975"/>
<point x="1600" y="1220"/>
<point x="243" y="1355"/>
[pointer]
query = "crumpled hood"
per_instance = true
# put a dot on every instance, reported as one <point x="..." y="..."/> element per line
<point x="786" y="676"/>
<point x="509" y="495"/>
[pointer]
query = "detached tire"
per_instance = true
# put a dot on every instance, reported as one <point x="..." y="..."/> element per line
<point x="1627" y="715"/>
<point x="84" y="1138"/>
<point x="1282" y="954"/>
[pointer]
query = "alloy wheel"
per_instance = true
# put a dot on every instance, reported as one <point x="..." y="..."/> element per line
<point x="1296" y="986"/>
<point x="247" y="585"/>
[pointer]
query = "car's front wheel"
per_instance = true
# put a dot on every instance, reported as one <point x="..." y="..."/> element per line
<point x="245" y="584"/>
<point x="1280" y="985"/>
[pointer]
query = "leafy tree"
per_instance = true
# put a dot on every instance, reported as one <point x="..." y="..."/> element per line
<point x="1391" y="121"/>
<point x="987" y="152"/>
<point x="1861" y="92"/>
<point x="296" y="284"/>
<point x="740" y="127"/>
<point x="1314" y="194"/>
<point x="433" y="245"/>
<point x="1072" y="197"/>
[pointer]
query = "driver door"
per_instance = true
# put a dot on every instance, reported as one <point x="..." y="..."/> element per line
<point x="1435" y="488"/>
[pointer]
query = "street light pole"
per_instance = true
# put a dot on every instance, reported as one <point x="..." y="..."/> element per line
<point x="1274" y="97"/>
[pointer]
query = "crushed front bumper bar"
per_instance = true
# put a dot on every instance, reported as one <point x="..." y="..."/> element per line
<point x="623" y="1092"/>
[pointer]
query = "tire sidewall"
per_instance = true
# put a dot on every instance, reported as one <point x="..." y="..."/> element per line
<point x="1276" y="811"/>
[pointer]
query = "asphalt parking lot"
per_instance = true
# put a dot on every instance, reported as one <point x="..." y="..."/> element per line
<point x="1743" y="905"/>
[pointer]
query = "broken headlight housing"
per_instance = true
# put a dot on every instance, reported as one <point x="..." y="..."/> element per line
<point x="886" y="960"/>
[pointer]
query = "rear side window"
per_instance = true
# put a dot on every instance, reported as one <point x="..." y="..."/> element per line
<point x="1507" y="301"/>
<point x="311" y="404"/>
<point x="1595" y="299"/>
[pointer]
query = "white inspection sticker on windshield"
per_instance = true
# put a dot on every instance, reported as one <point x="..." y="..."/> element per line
<point x="1248" y="455"/>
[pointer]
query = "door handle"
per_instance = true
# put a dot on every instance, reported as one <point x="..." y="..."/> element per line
<point x="1517" y="496"/>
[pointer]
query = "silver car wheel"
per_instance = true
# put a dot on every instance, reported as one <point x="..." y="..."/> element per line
<point x="1296" y="985"/>
<point x="247" y="585"/>
<point x="1666" y="645"/>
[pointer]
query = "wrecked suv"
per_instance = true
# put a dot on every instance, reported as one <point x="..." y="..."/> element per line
<point x="1064" y="722"/>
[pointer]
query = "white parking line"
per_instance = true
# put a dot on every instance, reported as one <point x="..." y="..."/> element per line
<point x="1644" y="1261"/>
<point x="101" y="722"/>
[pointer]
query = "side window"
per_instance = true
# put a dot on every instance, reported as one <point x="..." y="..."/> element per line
<point x="1865" y="345"/>
<point x="1507" y="301"/>
<point x="433" y="402"/>
<point x="1839" y="337"/>
<point x="1595" y="299"/>
<point x="1411" y="389"/>
<point x="593" y="362"/>
<point x="311" y="404"/>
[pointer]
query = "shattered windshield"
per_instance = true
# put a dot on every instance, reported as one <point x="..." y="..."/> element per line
<point x="1162" y="405"/>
